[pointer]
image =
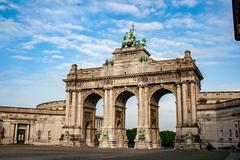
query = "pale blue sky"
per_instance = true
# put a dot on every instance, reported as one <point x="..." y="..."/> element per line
<point x="40" y="39"/>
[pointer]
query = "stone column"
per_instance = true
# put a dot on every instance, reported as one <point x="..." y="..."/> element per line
<point x="185" y="104"/>
<point x="67" y="109"/>
<point x="74" y="107"/>
<point x="147" y="117"/>
<point x="140" y="108"/>
<point x="79" y="110"/>
<point x="15" y="134"/>
<point x="147" y="114"/>
<point x="113" y="117"/>
<point x="27" y="135"/>
<point x="31" y="136"/>
<point x="193" y="103"/>
<point x="12" y="132"/>
<point x="179" y="106"/>
<point x="112" y="108"/>
<point x="105" y="109"/>
<point x="104" y="142"/>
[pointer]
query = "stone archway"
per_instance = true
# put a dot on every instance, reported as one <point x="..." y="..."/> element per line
<point x="120" y="118"/>
<point x="154" y="115"/>
<point x="89" y="115"/>
<point x="132" y="72"/>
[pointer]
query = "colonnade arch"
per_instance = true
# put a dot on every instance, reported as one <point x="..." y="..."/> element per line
<point x="154" y="115"/>
<point x="89" y="114"/>
<point x="132" y="72"/>
<point x="120" y="118"/>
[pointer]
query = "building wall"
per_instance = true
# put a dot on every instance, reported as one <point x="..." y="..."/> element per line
<point x="32" y="121"/>
<point x="220" y="123"/>
<point x="216" y="97"/>
<point x="43" y="125"/>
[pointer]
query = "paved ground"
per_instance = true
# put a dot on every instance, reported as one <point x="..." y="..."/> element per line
<point x="16" y="152"/>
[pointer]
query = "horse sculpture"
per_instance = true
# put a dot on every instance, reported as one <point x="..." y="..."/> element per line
<point x="129" y="39"/>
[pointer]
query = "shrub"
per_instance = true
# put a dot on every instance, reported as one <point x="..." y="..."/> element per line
<point x="167" y="138"/>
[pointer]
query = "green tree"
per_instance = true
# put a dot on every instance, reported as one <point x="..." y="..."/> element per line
<point x="131" y="134"/>
<point x="167" y="138"/>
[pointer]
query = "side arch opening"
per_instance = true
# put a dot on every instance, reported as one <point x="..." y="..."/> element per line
<point x="92" y="122"/>
<point x="126" y="121"/>
<point x="163" y="118"/>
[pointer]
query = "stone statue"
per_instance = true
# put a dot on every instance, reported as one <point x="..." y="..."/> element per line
<point x="142" y="133"/>
<point x="66" y="135"/>
<point x="129" y="39"/>
<point x="188" y="134"/>
<point x="105" y="134"/>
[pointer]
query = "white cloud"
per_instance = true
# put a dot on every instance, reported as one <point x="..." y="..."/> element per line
<point x="95" y="47"/>
<point x="10" y="27"/>
<point x="29" y="45"/>
<point x="141" y="26"/>
<point x="55" y="56"/>
<point x="51" y="51"/>
<point x="19" y="57"/>
<point x="183" y="22"/>
<point x="2" y="8"/>
<point x="148" y="26"/>
<point x="188" y="3"/>
<point x="81" y="38"/>
<point x="122" y="8"/>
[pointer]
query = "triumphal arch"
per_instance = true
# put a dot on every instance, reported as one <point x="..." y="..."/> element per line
<point x="132" y="72"/>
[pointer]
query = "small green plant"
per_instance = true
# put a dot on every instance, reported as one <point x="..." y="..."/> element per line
<point x="167" y="138"/>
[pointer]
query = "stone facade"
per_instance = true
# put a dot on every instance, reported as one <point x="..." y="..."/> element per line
<point x="201" y="117"/>
<point x="132" y="71"/>
<point x="39" y="126"/>
<point x="219" y="120"/>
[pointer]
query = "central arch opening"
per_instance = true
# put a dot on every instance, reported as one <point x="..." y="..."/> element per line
<point x="126" y="119"/>
<point x="163" y="116"/>
<point x="93" y="118"/>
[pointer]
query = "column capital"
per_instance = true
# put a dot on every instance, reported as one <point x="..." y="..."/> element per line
<point x="79" y="90"/>
<point x="142" y="85"/>
<point x="108" y="87"/>
<point x="192" y="82"/>
<point x="185" y="81"/>
<point x="178" y="83"/>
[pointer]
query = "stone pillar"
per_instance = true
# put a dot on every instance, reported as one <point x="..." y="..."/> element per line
<point x="139" y="143"/>
<point x="140" y="108"/>
<point x="67" y="109"/>
<point x="15" y="134"/>
<point x="105" y="109"/>
<point x="107" y="139"/>
<point x="27" y="135"/>
<point x="147" y="113"/>
<point x="74" y="107"/>
<point x="31" y="133"/>
<point x="104" y="136"/>
<point x="185" y="104"/>
<point x="112" y="127"/>
<point x="193" y="104"/>
<point x="179" y="106"/>
<point x="112" y="108"/>
<point x="79" y="110"/>
<point x="12" y="132"/>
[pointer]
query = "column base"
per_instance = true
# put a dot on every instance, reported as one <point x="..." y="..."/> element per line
<point x="143" y="144"/>
<point x="187" y="138"/>
<point x="144" y="139"/>
<point x="107" y="138"/>
<point x="72" y="136"/>
<point x="187" y="146"/>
